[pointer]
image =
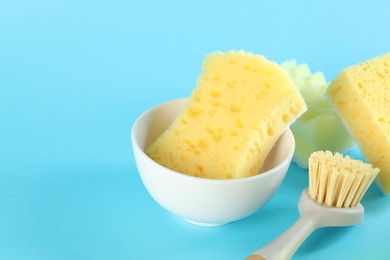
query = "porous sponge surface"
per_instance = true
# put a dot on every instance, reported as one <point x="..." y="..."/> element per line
<point x="361" y="94"/>
<point x="240" y="107"/>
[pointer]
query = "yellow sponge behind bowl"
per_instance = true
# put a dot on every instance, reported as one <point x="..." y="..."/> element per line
<point x="361" y="95"/>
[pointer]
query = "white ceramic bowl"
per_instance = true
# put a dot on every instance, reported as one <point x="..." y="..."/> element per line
<point x="202" y="201"/>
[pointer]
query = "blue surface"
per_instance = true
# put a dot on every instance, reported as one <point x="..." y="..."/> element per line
<point x="74" y="75"/>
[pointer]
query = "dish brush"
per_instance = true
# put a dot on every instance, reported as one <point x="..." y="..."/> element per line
<point x="336" y="186"/>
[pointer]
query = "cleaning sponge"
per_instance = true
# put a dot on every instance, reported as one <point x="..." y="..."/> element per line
<point x="241" y="106"/>
<point x="361" y="95"/>
<point x="319" y="128"/>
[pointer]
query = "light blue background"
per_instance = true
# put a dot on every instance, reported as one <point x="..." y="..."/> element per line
<point x="74" y="75"/>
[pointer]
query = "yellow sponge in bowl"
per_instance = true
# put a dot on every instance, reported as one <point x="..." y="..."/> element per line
<point x="241" y="106"/>
<point x="361" y="95"/>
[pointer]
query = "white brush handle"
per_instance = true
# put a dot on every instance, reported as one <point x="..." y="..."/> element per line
<point x="287" y="244"/>
<point x="312" y="216"/>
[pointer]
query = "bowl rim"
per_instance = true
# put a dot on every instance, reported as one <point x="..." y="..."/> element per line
<point x="136" y="148"/>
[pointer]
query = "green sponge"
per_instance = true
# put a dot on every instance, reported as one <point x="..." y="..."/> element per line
<point x="319" y="128"/>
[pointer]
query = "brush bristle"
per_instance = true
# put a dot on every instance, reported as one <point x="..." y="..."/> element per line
<point x="338" y="181"/>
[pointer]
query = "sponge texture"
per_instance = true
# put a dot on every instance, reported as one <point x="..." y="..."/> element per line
<point x="361" y="94"/>
<point x="240" y="107"/>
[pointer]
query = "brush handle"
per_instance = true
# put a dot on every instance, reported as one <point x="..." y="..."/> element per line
<point x="312" y="216"/>
<point x="284" y="247"/>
